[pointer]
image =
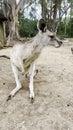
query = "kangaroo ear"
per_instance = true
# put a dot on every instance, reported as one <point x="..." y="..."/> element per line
<point x="41" y="25"/>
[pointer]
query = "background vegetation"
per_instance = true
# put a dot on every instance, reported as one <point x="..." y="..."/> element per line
<point x="22" y="17"/>
<point x="57" y="13"/>
<point x="28" y="28"/>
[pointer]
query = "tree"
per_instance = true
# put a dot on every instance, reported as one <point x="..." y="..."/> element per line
<point x="12" y="11"/>
<point x="52" y="11"/>
<point x="27" y="27"/>
<point x="71" y="19"/>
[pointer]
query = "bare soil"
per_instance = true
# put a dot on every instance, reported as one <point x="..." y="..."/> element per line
<point x="53" y="86"/>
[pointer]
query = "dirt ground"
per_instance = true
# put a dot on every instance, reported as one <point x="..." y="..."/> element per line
<point x="53" y="105"/>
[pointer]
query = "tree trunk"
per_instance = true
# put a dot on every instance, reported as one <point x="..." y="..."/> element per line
<point x="71" y="19"/>
<point x="57" y="4"/>
<point x="13" y="11"/>
<point x="55" y="15"/>
<point x="2" y="34"/>
<point x="42" y="5"/>
<point x="13" y="30"/>
<point x="44" y="8"/>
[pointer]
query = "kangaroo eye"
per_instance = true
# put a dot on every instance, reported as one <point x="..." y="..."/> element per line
<point x="51" y="37"/>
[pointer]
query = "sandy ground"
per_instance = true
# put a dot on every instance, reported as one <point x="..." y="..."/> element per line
<point x="53" y="105"/>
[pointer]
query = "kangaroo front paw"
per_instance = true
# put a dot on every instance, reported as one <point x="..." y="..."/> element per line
<point x="32" y="97"/>
<point x="9" y="98"/>
<point x="32" y="100"/>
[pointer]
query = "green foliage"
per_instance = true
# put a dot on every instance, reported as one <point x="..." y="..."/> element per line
<point x="71" y="13"/>
<point x="27" y="27"/>
<point x="70" y="1"/>
<point x="69" y="29"/>
<point x="61" y="29"/>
